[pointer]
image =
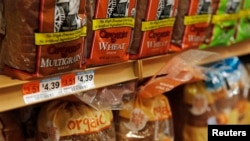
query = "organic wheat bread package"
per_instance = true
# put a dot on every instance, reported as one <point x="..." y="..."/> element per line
<point x="192" y="20"/>
<point x="110" y="28"/>
<point x="62" y="120"/>
<point x="153" y="27"/>
<point x="43" y="37"/>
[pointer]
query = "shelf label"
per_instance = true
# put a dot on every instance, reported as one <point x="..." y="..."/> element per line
<point x="85" y="79"/>
<point x="51" y="84"/>
<point x="44" y="89"/>
<point x="68" y="82"/>
<point x="31" y="88"/>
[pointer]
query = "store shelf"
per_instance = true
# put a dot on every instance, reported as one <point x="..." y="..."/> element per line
<point x="151" y="65"/>
<point x="11" y="96"/>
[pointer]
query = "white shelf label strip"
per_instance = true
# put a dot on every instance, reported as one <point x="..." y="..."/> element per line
<point x="58" y="86"/>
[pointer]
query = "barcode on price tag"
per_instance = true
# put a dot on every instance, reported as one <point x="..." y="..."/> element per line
<point x="36" y="97"/>
<point x="85" y="79"/>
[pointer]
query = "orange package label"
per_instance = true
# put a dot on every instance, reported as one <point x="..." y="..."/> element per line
<point x="112" y="26"/>
<point x="156" y="27"/>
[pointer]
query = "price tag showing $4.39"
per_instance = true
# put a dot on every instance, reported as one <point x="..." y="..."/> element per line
<point x="85" y="79"/>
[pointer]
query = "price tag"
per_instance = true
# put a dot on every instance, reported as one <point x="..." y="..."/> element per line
<point x="51" y="87"/>
<point x="68" y="80"/>
<point x="85" y="79"/>
<point x="51" y="84"/>
<point x="68" y="83"/>
<point x="58" y="86"/>
<point x="31" y="87"/>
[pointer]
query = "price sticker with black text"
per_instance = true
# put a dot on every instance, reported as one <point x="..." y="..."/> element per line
<point x="85" y="79"/>
<point x="50" y="87"/>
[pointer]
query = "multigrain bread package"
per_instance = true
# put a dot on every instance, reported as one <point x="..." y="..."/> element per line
<point x="192" y="20"/>
<point x="63" y="120"/>
<point x="223" y="24"/>
<point x="243" y="27"/>
<point x="43" y="37"/>
<point x="153" y="27"/>
<point x="110" y="28"/>
<point x="145" y="120"/>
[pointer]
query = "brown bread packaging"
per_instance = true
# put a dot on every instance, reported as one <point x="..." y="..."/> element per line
<point x="43" y="37"/>
<point x="62" y="120"/>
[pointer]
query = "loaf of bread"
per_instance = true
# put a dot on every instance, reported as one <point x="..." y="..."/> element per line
<point x="147" y="120"/>
<point x="43" y="38"/>
<point x="153" y="28"/>
<point x="223" y="30"/>
<point x="22" y="22"/>
<point x="188" y="31"/>
<point x="197" y="112"/>
<point x="179" y="27"/>
<point x="141" y="9"/>
<point x="74" y="120"/>
<point x="110" y="27"/>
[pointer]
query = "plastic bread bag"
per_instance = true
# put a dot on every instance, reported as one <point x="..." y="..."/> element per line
<point x="227" y="81"/>
<point x="198" y="110"/>
<point x="153" y="27"/>
<point x="43" y="37"/>
<point x="192" y="21"/>
<point x="113" y="97"/>
<point x="110" y="29"/>
<point x="146" y="120"/>
<point x="181" y="68"/>
<point x="62" y="120"/>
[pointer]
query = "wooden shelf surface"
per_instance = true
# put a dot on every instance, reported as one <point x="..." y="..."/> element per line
<point x="153" y="64"/>
<point x="11" y="96"/>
